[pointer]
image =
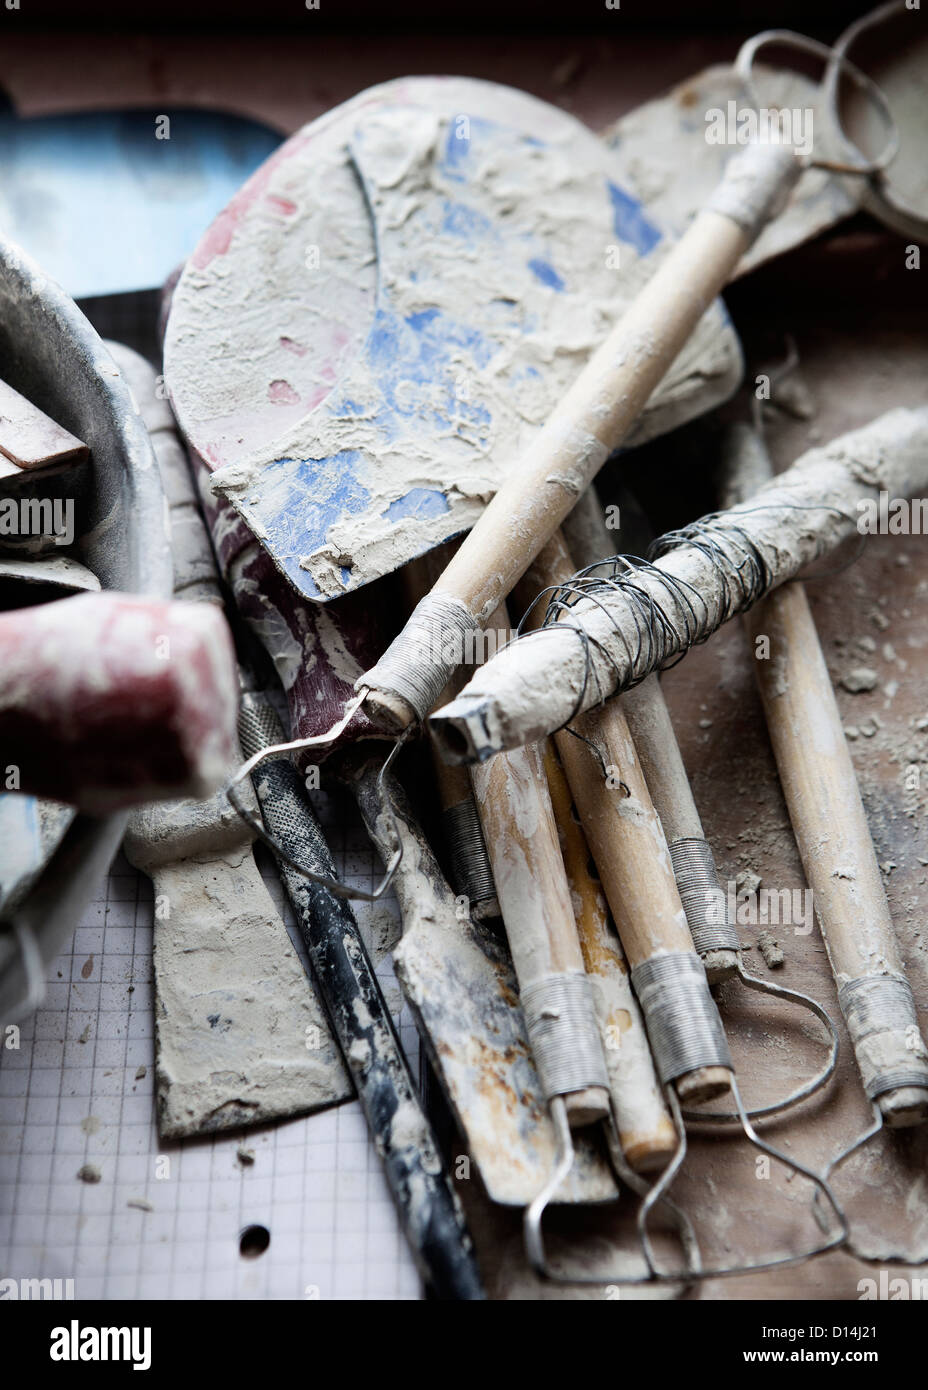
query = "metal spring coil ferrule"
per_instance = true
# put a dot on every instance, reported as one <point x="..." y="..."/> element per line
<point x="698" y="884"/>
<point x="471" y="871"/>
<point x="681" y="1016"/>
<point x="564" y="1035"/>
<point x="874" y="1004"/>
<point x="418" y="662"/>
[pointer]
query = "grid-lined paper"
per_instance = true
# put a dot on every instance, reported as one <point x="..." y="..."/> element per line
<point x="80" y="1090"/>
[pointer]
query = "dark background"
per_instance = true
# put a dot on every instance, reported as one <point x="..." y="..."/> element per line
<point x="431" y="16"/>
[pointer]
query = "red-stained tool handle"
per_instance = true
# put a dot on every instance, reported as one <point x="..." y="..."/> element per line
<point x="109" y="700"/>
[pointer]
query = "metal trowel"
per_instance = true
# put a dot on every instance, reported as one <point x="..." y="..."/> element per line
<point x="378" y="323"/>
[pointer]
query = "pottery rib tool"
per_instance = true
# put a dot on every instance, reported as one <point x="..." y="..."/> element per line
<point x="240" y="1036"/>
<point x="628" y="845"/>
<point x="428" y="1208"/>
<point x="714" y="937"/>
<point x="616" y="627"/>
<point x="822" y="793"/>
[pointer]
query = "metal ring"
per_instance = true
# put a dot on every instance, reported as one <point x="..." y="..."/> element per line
<point x="820" y="1079"/>
<point x="788" y="38"/>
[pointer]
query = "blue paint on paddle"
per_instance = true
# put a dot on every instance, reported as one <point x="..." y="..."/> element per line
<point x="630" y="222"/>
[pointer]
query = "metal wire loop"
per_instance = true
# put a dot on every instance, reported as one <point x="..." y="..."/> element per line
<point x="658" y="1192"/>
<point x="279" y="750"/>
<point x="832" y="57"/>
<point x="801" y="1093"/>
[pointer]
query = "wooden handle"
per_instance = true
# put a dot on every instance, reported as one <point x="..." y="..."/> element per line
<point x="651" y="727"/>
<point x="593" y="417"/>
<point x="646" y="1130"/>
<point x="827" y="814"/>
<point x="624" y="832"/>
<point x="605" y="400"/>
<point x="453" y="780"/>
<point x="829" y="822"/>
<point x="531" y="882"/>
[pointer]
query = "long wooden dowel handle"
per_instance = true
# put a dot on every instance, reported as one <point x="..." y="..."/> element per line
<point x="645" y="1127"/>
<point x="589" y="541"/>
<point x="534" y="896"/>
<point x="624" y="832"/>
<point x="830" y="824"/>
<point x="587" y="424"/>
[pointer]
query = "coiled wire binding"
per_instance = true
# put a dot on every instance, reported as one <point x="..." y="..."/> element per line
<point x="683" y="1023"/>
<point x="697" y="881"/>
<point x="471" y="871"/>
<point x="564" y="1035"/>
<point x="875" y="1004"/>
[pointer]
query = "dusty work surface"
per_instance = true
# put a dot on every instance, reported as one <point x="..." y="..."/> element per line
<point x="857" y="361"/>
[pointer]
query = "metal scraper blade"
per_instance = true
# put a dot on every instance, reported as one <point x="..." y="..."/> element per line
<point x="368" y="338"/>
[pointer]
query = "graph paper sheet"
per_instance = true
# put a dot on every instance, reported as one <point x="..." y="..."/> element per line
<point x="165" y="1219"/>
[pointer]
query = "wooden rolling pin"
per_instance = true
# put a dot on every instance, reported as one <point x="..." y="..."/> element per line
<point x="645" y="1128"/>
<point x="531" y="884"/>
<point x="584" y="428"/>
<point x="830" y="824"/>
<point x="109" y="700"/>
<point x="589" y="540"/>
<point x="628" y="845"/>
